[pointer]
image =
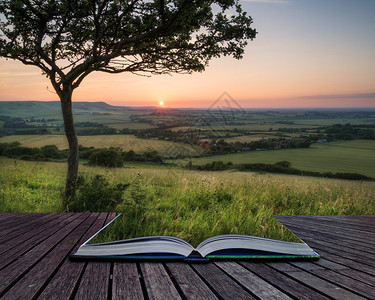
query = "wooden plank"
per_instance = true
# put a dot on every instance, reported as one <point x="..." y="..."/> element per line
<point x="325" y="287"/>
<point x="283" y="282"/>
<point x="347" y="220"/>
<point x="325" y="263"/>
<point x="16" y="269"/>
<point x="346" y="282"/>
<point x="19" y="218"/>
<point x="191" y="285"/>
<point x="14" y="233"/>
<point x="10" y="244"/>
<point x="348" y="253"/>
<point x="347" y="262"/>
<point x="350" y="222"/>
<point x="126" y="283"/>
<point x="332" y="290"/>
<point x="6" y="217"/>
<point x="359" y="276"/>
<point x="361" y="237"/>
<point x="222" y="284"/>
<point x="16" y="219"/>
<point x="19" y="250"/>
<point x="257" y="286"/>
<point x="157" y="281"/>
<point x="95" y="281"/>
<point x="13" y="226"/>
<point x="356" y="238"/>
<point x="329" y="222"/>
<point x="307" y="266"/>
<point x="64" y="283"/>
<point x="33" y="281"/>
<point x="334" y="239"/>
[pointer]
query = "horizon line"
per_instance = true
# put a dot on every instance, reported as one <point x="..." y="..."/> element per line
<point x="202" y="108"/>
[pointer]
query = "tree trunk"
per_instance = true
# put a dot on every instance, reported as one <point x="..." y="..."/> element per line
<point x="66" y="107"/>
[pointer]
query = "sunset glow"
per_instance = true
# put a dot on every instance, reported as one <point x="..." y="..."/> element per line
<point x="306" y="54"/>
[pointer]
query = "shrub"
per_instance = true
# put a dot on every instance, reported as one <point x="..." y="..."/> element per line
<point x="284" y="163"/>
<point x="16" y="151"/>
<point x="85" y="152"/>
<point x="96" y="195"/>
<point x="110" y="158"/>
<point x="51" y="151"/>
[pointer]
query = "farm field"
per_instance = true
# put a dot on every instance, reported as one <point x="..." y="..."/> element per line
<point x="125" y="142"/>
<point x="356" y="156"/>
<point x="189" y="204"/>
<point x="130" y="125"/>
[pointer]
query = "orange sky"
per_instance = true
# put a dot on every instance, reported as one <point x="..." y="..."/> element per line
<point x="307" y="54"/>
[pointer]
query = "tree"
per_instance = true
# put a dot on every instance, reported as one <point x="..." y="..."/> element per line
<point x="68" y="40"/>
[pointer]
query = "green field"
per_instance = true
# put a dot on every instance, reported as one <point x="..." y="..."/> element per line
<point x="130" y="125"/>
<point x="356" y="156"/>
<point x="189" y="204"/>
<point x="125" y="142"/>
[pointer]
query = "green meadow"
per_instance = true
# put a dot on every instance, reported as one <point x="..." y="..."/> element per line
<point x="192" y="205"/>
<point x="355" y="156"/>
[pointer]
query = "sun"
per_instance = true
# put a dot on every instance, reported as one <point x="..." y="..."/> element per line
<point x="161" y="103"/>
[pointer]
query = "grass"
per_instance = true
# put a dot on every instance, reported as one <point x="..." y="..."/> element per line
<point x="189" y="204"/>
<point x="357" y="156"/>
<point x="126" y="142"/>
<point x="31" y="187"/>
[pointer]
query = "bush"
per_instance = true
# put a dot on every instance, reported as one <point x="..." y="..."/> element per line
<point x="96" y="195"/>
<point x="16" y="151"/>
<point x="110" y="158"/>
<point x="51" y="151"/>
<point x="85" y="152"/>
<point x="284" y="163"/>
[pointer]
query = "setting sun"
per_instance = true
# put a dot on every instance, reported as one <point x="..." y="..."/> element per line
<point x="161" y="103"/>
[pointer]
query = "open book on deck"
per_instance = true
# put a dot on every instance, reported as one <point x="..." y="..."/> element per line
<point x="230" y="246"/>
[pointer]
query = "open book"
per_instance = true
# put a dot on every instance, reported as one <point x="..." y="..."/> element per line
<point x="230" y="246"/>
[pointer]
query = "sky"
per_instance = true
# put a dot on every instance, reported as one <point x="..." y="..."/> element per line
<point x="307" y="53"/>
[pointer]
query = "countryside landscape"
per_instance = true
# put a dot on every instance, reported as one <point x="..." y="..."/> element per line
<point x="191" y="173"/>
<point x="180" y="119"/>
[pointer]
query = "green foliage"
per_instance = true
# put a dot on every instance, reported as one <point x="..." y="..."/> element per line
<point x="51" y="151"/>
<point x="109" y="158"/>
<point x="190" y="33"/>
<point x="15" y="150"/>
<point x="284" y="164"/>
<point x="350" y="132"/>
<point x="96" y="194"/>
<point x="214" y="166"/>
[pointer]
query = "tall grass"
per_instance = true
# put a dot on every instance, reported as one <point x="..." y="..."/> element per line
<point x="30" y="186"/>
<point x="196" y="205"/>
<point x="190" y="204"/>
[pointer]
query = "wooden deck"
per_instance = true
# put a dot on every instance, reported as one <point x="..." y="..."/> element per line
<point x="35" y="249"/>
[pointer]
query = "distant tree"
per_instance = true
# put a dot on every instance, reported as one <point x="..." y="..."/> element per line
<point x="68" y="40"/>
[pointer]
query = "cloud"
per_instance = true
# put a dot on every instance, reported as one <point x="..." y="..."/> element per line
<point x="341" y="96"/>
